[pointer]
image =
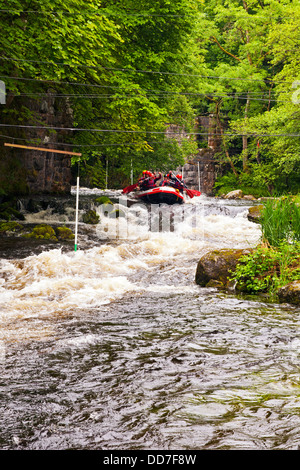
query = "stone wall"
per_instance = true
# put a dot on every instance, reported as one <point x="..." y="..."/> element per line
<point x="207" y="126"/>
<point x="44" y="172"/>
<point x="200" y="172"/>
<point x="49" y="172"/>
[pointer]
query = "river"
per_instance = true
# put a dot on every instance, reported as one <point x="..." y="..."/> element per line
<point x="114" y="346"/>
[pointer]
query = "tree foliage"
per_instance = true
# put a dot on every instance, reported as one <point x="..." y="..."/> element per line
<point x="132" y="72"/>
<point x="254" y="45"/>
<point x="120" y="65"/>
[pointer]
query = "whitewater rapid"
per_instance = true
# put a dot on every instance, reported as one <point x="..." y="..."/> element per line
<point x="130" y="257"/>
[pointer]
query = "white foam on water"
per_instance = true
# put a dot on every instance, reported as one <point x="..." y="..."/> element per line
<point x="57" y="283"/>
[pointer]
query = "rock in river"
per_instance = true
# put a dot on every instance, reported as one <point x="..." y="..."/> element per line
<point x="214" y="268"/>
<point x="254" y="213"/>
<point x="237" y="194"/>
<point x="290" y="293"/>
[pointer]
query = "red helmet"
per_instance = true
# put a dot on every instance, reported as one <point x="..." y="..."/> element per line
<point x="179" y="177"/>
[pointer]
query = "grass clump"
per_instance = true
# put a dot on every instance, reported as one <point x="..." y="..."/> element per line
<point x="280" y="220"/>
<point x="276" y="261"/>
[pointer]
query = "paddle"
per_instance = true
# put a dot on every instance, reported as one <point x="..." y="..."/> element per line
<point x="188" y="191"/>
<point x="128" y="189"/>
<point x="195" y="192"/>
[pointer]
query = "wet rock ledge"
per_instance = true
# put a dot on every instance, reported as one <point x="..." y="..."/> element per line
<point x="290" y="293"/>
<point x="215" y="267"/>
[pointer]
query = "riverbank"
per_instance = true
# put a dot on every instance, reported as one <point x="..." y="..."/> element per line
<point x="260" y="271"/>
<point x="273" y="266"/>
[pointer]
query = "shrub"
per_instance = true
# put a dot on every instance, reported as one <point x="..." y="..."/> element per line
<point x="229" y="182"/>
<point x="268" y="269"/>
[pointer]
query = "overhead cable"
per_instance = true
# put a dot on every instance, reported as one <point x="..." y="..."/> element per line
<point x="126" y="131"/>
<point x="117" y="69"/>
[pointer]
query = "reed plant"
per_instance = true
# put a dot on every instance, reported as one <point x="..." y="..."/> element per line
<point x="276" y="261"/>
<point x="280" y="221"/>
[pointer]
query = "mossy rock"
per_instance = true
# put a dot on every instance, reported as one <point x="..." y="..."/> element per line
<point x="42" y="232"/>
<point x="290" y="293"/>
<point x="103" y="200"/>
<point x="64" y="233"/>
<point x="215" y="284"/>
<point x="254" y="213"/>
<point x="91" y="217"/>
<point x="8" y="212"/>
<point x="5" y="215"/>
<point x="215" y="267"/>
<point x="106" y="204"/>
<point x="10" y="227"/>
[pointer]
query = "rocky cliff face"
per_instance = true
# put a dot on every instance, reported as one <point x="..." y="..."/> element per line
<point x="42" y="172"/>
<point x="200" y="172"/>
<point x="49" y="172"/>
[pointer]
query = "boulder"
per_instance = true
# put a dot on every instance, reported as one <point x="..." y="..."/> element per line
<point x="64" y="233"/>
<point x="8" y="211"/>
<point x="215" y="267"/>
<point x="43" y="232"/>
<point x="254" y="213"/>
<point x="290" y="293"/>
<point x="249" y="197"/>
<point x="9" y="227"/>
<point x="106" y="205"/>
<point x="237" y="194"/>
<point x="103" y="200"/>
<point x="91" y="217"/>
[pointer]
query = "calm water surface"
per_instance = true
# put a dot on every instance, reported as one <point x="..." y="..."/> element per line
<point x="116" y="347"/>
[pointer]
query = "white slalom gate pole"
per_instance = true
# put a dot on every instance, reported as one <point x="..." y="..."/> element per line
<point x="106" y="176"/>
<point x="199" y="175"/>
<point x="77" y="209"/>
<point x="76" y="221"/>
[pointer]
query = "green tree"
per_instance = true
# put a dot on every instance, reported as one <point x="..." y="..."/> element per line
<point x="134" y="59"/>
<point x="240" y="37"/>
<point x="276" y="162"/>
